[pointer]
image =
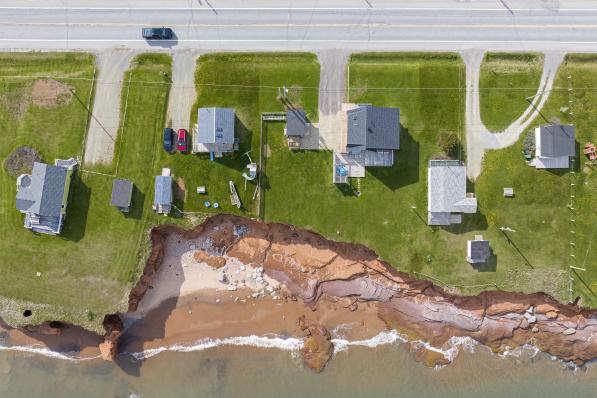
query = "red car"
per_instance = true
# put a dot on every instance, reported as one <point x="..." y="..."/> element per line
<point x="181" y="142"/>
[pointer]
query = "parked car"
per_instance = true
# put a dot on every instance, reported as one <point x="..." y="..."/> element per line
<point x="181" y="143"/>
<point x="168" y="139"/>
<point x="162" y="33"/>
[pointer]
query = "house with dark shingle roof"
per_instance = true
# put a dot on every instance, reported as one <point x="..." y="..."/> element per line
<point x="43" y="196"/>
<point x="447" y="198"/>
<point x="215" y="131"/>
<point x="122" y="192"/>
<point x="478" y="250"/>
<point x="296" y="128"/>
<point x="554" y="145"/>
<point x="370" y="135"/>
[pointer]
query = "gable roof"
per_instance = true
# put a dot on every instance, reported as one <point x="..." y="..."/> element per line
<point x="296" y="122"/>
<point x="372" y="127"/>
<point x="163" y="190"/>
<point x="556" y="140"/>
<point x="121" y="193"/>
<point x="215" y="126"/>
<point x="43" y="192"/>
<point x="446" y="187"/>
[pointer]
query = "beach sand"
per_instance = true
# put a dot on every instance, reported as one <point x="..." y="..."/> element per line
<point x="188" y="302"/>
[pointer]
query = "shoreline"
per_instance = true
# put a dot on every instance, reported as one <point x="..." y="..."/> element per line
<point x="237" y="281"/>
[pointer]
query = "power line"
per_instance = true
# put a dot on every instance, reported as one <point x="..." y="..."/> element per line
<point x="141" y="83"/>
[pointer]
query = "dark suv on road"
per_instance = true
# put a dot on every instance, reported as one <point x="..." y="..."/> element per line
<point x="157" y="33"/>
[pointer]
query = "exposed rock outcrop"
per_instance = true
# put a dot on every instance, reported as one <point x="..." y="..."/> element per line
<point x="317" y="348"/>
<point x="114" y="327"/>
<point x="312" y="267"/>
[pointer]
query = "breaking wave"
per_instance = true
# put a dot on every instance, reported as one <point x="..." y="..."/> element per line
<point x="40" y="350"/>
<point x="283" y="343"/>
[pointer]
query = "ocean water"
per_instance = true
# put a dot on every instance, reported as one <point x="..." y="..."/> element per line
<point x="387" y="370"/>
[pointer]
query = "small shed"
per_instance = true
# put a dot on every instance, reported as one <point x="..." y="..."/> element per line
<point x="122" y="192"/>
<point x="508" y="192"/>
<point x="162" y="199"/>
<point x="478" y="250"/>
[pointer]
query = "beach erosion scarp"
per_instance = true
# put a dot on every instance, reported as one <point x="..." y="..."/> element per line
<point x="237" y="280"/>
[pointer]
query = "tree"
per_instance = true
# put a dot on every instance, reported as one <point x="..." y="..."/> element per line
<point x="449" y="143"/>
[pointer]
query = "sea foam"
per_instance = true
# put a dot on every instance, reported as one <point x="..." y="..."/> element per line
<point x="288" y="344"/>
<point x="44" y="351"/>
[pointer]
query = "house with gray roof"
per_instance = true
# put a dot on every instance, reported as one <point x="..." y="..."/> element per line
<point x="215" y="131"/>
<point x="43" y="195"/>
<point x="478" y="250"/>
<point x="370" y="135"/>
<point x="162" y="197"/>
<point x="447" y="198"/>
<point x="122" y="192"/>
<point x="554" y="145"/>
<point x="296" y="128"/>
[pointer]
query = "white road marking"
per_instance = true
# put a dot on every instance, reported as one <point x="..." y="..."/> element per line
<point x="211" y="10"/>
<point x="315" y="25"/>
<point x="298" y="41"/>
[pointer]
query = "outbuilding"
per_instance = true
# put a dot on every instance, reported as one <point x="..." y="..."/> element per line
<point x="162" y="197"/>
<point x="478" y="250"/>
<point x="122" y="193"/>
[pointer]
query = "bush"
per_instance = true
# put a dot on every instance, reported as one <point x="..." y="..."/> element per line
<point x="449" y="143"/>
<point x="21" y="160"/>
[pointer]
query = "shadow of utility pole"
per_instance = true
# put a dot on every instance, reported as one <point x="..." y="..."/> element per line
<point x="511" y="242"/>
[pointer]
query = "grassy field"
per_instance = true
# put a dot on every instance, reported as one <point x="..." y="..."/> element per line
<point x="539" y="213"/>
<point x="505" y="81"/>
<point x="429" y="89"/>
<point x="85" y="272"/>
<point x="249" y="83"/>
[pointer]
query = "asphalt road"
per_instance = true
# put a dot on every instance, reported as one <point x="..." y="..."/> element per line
<point x="302" y="25"/>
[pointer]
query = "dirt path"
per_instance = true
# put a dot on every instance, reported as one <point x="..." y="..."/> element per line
<point x="478" y="137"/>
<point x="332" y="93"/>
<point x="103" y="127"/>
<point x="182" y="93"/>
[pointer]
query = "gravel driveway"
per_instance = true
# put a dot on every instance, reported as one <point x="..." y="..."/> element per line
<point x="478" y="137"/>
<point x="182" y="93"/>
<point x="332" y="93"/>
<point x="103" y="127"/>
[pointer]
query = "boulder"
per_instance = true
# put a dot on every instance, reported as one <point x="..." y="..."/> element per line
<point x="317" y="348"/>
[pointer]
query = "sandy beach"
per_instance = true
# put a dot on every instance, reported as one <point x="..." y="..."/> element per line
<point x="190" y="301"/>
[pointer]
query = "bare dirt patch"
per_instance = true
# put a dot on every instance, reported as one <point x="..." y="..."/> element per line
<point x="43" y="93"/>
<point x="49" y="93"/>
<point x="21" y="160"/>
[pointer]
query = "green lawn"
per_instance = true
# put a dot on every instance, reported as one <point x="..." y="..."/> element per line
<point x="429" y="89"/>
<point x="85" y="272"/>
<point x="249" y="83"/>
<point x="505" y="81"/>
<point x="539" y="213"/>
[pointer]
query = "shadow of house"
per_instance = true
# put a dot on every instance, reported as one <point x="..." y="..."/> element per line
<point x="470" y="223"/>
<point x="488" y="266"/>
<point x="237" y="160"/>
<point x="137" y="204"/>
<point x="405" y="170"/>
<point x="349" y="189"/>
<point x="78" y="209"/>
